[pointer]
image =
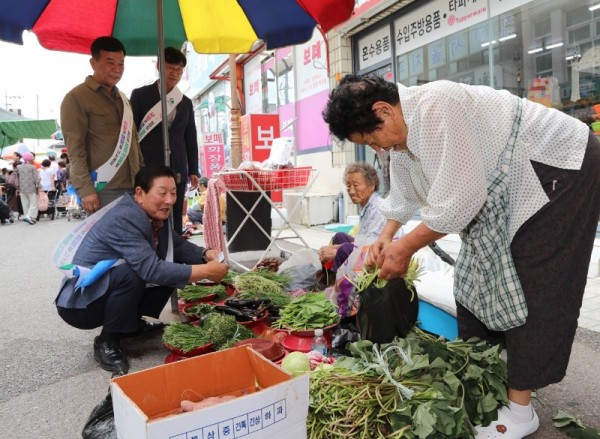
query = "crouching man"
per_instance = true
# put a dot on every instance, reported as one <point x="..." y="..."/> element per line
<point x="150" y="262"/>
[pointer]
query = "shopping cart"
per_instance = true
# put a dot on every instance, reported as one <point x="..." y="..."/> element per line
<point x="262" y="181"/>
<point x="74" y="208"/>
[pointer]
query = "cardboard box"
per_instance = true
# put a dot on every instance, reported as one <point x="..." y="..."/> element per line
<point x="270" y="402"/>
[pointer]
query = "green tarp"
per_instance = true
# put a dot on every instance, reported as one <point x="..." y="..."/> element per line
<point x="13" y="128"/>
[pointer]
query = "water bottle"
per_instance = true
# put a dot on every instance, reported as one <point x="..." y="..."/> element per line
<point x="319" y="343"/>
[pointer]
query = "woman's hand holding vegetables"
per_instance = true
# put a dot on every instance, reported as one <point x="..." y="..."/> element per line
<point x="394" y="259"/>
<point x="375" y="250"/>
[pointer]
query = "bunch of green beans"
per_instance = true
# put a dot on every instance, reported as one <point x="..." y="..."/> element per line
<point x="282" y="279"/>
<point x="196" y="292"/>
<point x="344" y="404"/>
<point x="229" y="277"/>
<point x="252" y="285"/>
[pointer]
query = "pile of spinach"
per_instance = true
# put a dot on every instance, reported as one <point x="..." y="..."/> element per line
<point x="415" y="387"/>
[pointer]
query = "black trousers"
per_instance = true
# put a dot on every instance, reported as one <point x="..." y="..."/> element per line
<point x="119" y="310"/>
<point x="552" y="252"/>
<point x="178" y="208"/>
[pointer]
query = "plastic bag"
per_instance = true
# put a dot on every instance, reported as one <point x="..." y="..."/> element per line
<point x="101" y="423"/>
<point x="42" y="201"/>
<point x="344" y="294"/>
<point x="387" y="312"/>
<point x="302" y="268"/>
<point x="344" y="333"/>
<point x="281" y="150"/>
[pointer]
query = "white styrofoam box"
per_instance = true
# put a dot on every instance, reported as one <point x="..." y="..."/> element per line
<point x="352" y="219"/>
<point x="312" y="209"/>
<point x="276" y="221"/>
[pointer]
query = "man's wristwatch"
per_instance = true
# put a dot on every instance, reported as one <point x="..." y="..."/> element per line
<point x="204" y="255"/>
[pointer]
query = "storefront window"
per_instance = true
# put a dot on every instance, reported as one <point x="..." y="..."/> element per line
<point x="277" y="78"/>
<point x="545" y="50"/>
<point x="269" y="85"/>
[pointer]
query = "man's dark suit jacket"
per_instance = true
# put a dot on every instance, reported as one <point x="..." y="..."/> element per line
<point x="183" y="139"/>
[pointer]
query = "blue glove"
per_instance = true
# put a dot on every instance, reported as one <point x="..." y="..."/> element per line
<point x="88" y="278"/>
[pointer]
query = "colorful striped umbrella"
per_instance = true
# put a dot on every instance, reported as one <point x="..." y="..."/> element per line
<point x="212" y="26"/>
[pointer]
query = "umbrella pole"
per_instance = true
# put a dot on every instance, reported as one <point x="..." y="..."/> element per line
<point x="235" y="113"/>
<point x="162" y="83"/>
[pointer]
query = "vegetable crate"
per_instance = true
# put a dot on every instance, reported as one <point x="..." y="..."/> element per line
<point x="269" y="402"/>
<point x="267" y="180"/>
<point x="264" y="182"/>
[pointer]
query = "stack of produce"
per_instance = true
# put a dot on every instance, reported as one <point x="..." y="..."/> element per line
<point x="263" y="285"/>
<point x="220" y="330"/>
<point x="415" y="387"/>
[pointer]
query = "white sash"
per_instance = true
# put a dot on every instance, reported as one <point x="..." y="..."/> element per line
<point x="154" y="116"/>
<point x="107" y="171"/>
<point x="65" y="250"/>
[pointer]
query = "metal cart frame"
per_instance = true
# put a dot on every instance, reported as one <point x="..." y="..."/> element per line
<point x="263" y="181"/>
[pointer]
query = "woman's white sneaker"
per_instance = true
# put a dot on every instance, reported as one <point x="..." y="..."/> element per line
<point x="509" y="426"/>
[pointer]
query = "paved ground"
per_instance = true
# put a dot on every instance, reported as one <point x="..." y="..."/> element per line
<point x="49" y="381"/>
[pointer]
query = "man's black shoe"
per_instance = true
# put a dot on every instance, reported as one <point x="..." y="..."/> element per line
<point x="146" y="327"/>
<point x="110" y="357"/>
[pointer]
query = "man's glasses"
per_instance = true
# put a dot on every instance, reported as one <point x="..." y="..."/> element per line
<point x="174" y="68"/>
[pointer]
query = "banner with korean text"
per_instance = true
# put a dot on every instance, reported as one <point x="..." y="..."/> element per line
<point x="211" y="153"/>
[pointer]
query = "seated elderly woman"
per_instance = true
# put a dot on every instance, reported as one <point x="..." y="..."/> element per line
<point x="362" y="183"/>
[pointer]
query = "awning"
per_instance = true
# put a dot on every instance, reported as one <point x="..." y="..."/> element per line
<point x="14" y="128"/>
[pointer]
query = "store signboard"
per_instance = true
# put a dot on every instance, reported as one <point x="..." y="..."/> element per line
<point x="211" y="153"/>
<point x="253" y="86"/>
<point x="310" y="63"/>
<point x="258" y="132"/>
<point x="439" y="18"/>
<point x="375" y="47"/>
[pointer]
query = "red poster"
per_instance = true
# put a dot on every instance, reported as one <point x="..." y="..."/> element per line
<point x="212" y="153"/>
<point x="258" y="132"/>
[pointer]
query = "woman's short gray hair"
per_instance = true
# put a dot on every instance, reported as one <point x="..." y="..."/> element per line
<point x="366" y="170"/>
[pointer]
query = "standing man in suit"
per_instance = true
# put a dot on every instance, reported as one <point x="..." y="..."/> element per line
<point x="183" y="142"/>
<point x="97" y="125"/>
<point x="151" y="261"/>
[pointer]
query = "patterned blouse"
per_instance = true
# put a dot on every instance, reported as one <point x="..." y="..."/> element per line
<point x="29" y="179"/>
<point x="456" y="133"/>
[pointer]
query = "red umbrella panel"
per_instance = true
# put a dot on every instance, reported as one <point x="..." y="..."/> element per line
<point x="212" y="26"/>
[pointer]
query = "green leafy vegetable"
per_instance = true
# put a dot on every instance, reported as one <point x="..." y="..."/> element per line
<point x="306" y="312"/>
<point x="574" y="427"/>
<point x="416" y="387"/>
